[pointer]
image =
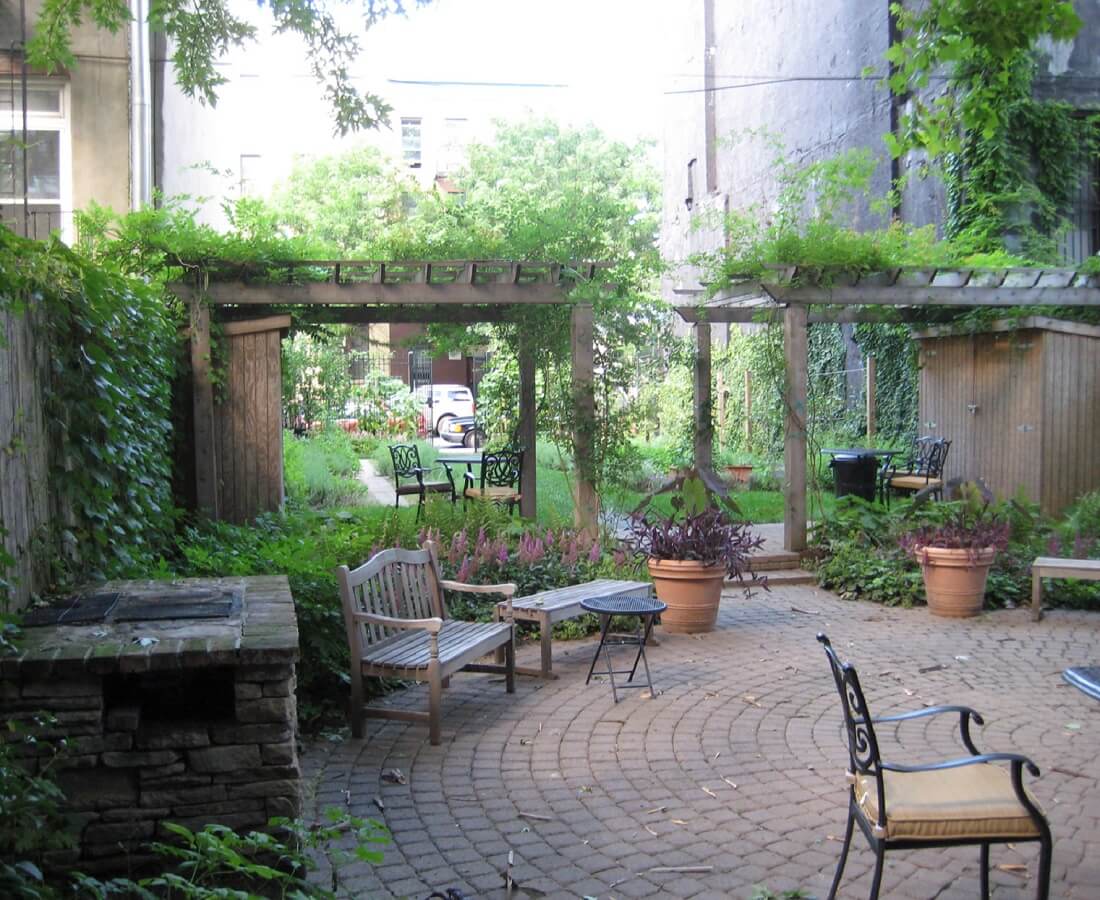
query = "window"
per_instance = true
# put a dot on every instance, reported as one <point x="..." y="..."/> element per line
<point x="1082" y="238"/>
<point x="410" y="142"/>
<point x="250" y="173"/>
<point x="35" y="167"/>
<point x="455" y="139"/>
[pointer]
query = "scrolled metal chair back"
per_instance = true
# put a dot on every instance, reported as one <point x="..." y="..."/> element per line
<point x="937" y="457"/>
<point x="501" y="469"/>
<point x="406" y="460"/>
<point x="863" y="753"/>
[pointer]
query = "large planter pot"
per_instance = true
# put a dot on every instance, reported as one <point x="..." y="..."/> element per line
<point x="739" y="474"/>
<point x="954" y="580"/>
<point x="691" y="590"/>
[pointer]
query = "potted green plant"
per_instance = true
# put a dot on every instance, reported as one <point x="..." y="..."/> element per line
<point x="691" y="551"/>
<point x="955" y="554"/>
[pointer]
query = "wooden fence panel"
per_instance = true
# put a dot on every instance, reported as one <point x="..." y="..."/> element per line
<point x="24" y="461"/>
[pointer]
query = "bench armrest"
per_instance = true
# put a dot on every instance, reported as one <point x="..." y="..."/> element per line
<point x="508" y="591"/>
<point x="505" y="590"/>
<point x="432" y="626"/>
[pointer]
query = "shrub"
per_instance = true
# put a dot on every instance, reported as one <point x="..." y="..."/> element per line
<point x="322" y="469"/>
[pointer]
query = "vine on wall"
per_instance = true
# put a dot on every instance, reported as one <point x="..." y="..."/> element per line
<point x="109" y="341"/>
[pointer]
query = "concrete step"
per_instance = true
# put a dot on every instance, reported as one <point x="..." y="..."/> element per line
<point x="771" y="560"/>
<point x="783" y="577"/>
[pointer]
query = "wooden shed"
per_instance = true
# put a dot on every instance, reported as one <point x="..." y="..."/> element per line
<point x="1020" y="404"/>
<point x="248" y="420"/>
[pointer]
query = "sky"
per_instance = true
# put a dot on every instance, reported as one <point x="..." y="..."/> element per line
<point x="608" y="52"/>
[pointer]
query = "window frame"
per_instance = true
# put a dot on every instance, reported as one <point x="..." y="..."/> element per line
<point x="61" y="122"/>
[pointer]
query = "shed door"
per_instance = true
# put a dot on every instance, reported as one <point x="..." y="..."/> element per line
<point x="946" y="389"/>
<point x="1006" y="389"/>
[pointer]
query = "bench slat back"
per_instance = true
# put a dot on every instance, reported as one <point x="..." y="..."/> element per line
<point x="401" y="584"/>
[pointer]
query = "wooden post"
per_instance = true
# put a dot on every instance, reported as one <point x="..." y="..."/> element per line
<point x="723" y="396"/>
<point x="527" y="435"/>
<point x="206" y="462"/>
<point x="585" y="510"/>
<point x="871" y="423"/>
<point x="795" y="335"/>
<point x="748" y="410"/>
<point x="704" y="427"/>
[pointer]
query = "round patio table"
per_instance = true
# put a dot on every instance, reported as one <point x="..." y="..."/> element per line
<point x="646" y="609"/>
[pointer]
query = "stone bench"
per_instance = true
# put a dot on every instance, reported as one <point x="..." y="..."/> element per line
<point x="548" y="607"/>
<point x="1055" y="567"/>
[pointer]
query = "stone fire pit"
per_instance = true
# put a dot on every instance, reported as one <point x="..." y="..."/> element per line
<point x="178" y="702"/>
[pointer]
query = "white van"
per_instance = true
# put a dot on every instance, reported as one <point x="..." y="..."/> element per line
<point x="446" y="402"/>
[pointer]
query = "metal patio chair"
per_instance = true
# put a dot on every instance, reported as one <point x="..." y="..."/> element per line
<point x="499" y="481"/>
<point x="921" y="472"/>
<point x="406" y="465"/>
<point x="964" y="801"/>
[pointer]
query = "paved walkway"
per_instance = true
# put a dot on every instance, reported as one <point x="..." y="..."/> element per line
<point x="737" y="765"/>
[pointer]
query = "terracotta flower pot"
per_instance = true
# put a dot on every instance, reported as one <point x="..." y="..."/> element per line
<point x="692" y="591"/>
<point x="740" y="474"/>
<point x="954" y="580"/>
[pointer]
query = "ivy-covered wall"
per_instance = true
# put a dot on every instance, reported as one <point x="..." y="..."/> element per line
<point x="99" y="504"/>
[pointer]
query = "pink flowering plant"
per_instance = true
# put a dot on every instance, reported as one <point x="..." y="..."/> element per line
<point x="537" y="559"/>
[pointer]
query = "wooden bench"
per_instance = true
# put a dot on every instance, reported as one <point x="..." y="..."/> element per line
<point x="398" y="626"/>
<point x="1055" y="567"/>
<point x="548" y="607"/>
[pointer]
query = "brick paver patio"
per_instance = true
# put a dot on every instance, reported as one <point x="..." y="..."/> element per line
<point x="736" y="765"/>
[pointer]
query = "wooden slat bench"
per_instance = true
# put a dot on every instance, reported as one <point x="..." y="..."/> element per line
<point x="1055" y="567"/>
<point x="549" y="607"/>
<point x="398" y="627"/>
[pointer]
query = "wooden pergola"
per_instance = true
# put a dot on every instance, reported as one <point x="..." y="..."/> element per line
<point x="367" y="291"/>
<point x="896" y="295"/>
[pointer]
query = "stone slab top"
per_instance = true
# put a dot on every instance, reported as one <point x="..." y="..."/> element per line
<point x="264" y="632"/>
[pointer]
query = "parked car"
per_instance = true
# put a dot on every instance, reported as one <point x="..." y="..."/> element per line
<point x="463" y="430"/>
<point x="440" y="403"/>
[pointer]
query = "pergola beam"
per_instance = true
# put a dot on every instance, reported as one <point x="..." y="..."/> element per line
<point x="369" y="315"/>
<point x="903" y="295"/>
<point x="766" y="314"/>
<point x="363" y="293"/>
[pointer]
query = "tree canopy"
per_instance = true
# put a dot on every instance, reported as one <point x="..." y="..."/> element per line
<point x="204" y="30"/>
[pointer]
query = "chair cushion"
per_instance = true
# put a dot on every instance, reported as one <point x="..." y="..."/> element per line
<point x="492" y="493"/>
<point x="914" y="482"/>
<point x="966" y="802"/>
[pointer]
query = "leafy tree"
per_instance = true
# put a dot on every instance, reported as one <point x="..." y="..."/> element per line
<point x="204" y="30"/>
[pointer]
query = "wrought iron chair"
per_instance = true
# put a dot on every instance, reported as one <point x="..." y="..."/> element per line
<point x="406" y="465"/>
<point x="499" y="481"/>
<point x="921" y="472"/>
<point x="958" y="802"/>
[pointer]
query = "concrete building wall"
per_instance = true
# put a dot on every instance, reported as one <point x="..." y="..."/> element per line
<point x="95" y="152"/>
<point x="791" y="69"/>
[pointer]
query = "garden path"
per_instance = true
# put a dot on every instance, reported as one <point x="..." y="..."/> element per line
<point x="736" y="765"/>
<point x="379" y="487"/>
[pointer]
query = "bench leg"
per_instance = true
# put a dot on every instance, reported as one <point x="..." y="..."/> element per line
<point x="510" y="665"/>
<point x="356" y="706"/>
<point x="1036" y="596"/>
<point x="435" y="702"/>
<point x="546" y="633"/>
<point x="498" y="654"/>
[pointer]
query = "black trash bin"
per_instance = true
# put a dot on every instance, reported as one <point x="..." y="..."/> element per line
<point x="855" y="475"/>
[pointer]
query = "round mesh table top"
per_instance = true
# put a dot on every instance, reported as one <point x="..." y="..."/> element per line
<point x="625" y="605"/>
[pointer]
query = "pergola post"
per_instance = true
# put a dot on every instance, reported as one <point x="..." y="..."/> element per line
<point x="527" y="436"/>
<point x="206" y="468"/>
<point x="585" y="509"/>
<point x="795" y="335"/>
<point x="704" y="424"/>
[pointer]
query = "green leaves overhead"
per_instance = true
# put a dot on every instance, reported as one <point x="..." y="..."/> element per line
<point x="202" y="31"/>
